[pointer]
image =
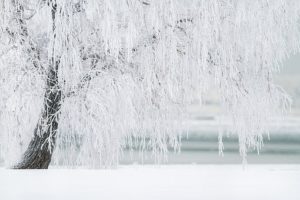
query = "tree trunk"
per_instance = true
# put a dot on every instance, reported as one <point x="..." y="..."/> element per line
<point x="39" y="152"/>
<point x="37" y="155"/>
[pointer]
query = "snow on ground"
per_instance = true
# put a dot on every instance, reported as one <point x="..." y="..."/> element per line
<point x="176" y="182"/>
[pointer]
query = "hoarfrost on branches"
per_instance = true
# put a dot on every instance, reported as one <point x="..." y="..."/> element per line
<point x="127" y="69"/>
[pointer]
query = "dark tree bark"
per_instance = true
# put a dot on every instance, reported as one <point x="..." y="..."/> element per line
<point x="39" y="152"/>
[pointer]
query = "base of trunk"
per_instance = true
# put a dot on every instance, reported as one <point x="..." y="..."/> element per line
<point x="37" y="155"/>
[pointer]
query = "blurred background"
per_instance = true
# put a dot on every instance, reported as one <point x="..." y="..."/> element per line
<point x="201" y="145"/>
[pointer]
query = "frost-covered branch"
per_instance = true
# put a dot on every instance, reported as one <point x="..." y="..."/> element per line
<point x="123" y="71"/>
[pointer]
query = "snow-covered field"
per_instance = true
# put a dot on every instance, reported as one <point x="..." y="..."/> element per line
<point x="176" y="182"/>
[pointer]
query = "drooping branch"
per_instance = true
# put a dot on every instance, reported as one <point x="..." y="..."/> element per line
<point x="129" y="68"/>
<point x="23" y="39"/>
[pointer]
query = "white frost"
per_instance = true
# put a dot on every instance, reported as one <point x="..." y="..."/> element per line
<point x="129" y="68"/>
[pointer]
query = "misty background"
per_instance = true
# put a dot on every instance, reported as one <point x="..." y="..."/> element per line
<point x="200" y="146"/>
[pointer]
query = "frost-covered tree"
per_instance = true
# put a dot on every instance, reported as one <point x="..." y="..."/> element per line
<point x="82" y="79"/>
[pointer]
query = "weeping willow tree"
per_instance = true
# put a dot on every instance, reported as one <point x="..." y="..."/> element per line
<point x="81" y="80"/>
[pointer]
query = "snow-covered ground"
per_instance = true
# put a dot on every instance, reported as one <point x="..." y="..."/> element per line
<point x="176" y="182"/>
